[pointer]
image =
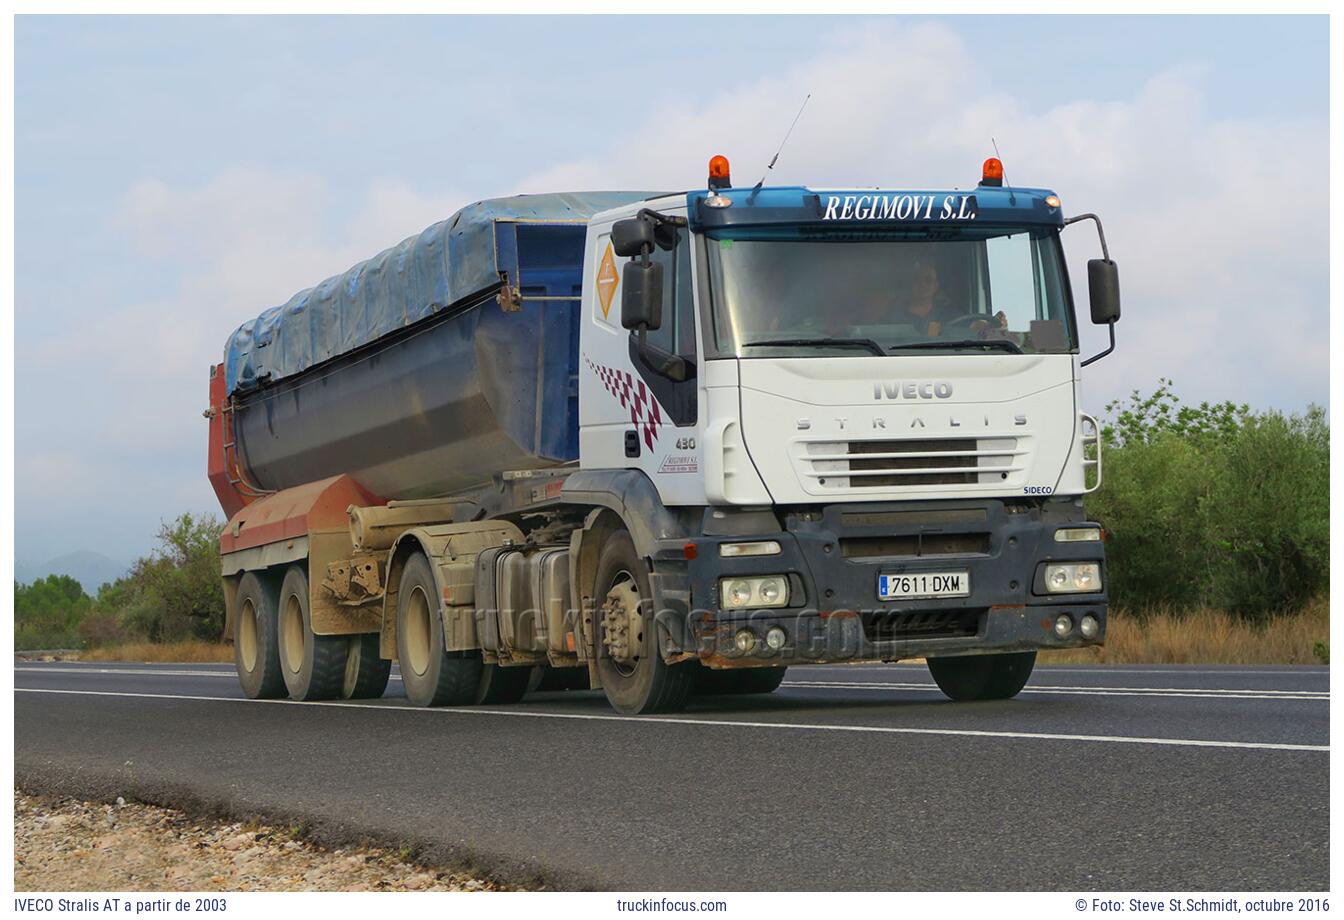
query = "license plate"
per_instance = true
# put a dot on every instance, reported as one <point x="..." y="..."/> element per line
<point x="923" y="584"/>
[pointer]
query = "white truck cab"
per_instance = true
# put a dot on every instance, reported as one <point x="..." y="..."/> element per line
<point x="867" y="404"/>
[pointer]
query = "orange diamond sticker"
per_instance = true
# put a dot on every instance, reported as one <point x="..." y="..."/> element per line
<point x="607" y="279"/>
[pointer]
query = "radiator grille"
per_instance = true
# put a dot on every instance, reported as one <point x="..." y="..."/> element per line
<point x="903" y="463"/>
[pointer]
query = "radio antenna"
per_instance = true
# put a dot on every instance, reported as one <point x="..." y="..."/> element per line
<point x="775" y="159"/>
<point x="1008" y="185"/>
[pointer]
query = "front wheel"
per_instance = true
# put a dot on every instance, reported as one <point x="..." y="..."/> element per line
<point x="635" y="678"/>
<point x="983" y="677"/>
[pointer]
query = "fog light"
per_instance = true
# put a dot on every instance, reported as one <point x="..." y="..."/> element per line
<point x="745" y="640"/>
<point x="775" y="637"/>
<point x="1089" y="627"/>
<point x="1063" y="625"/>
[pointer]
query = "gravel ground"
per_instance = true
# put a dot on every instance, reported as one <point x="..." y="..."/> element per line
<point x="69" y="845"/>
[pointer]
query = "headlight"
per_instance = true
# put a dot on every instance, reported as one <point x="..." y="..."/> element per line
<point x="1073" y="578"/>
<point x="770" y="591"/>
<point x="756" y="548"/>
<point x="1078" y="535"/>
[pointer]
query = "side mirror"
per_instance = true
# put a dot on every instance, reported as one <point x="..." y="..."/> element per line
<point x="1103" y="290"/>
<point x="629" y="237"/>
<point x="642" y="297"/>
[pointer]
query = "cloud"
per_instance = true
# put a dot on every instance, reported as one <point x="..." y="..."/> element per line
<point x="1219" y="226"/>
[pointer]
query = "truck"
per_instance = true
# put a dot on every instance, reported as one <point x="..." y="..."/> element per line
<point x="669" y="444"/>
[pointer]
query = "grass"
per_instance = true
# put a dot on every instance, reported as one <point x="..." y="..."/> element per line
<point x="169" y="651"/>
<point x="1206" y="637"/>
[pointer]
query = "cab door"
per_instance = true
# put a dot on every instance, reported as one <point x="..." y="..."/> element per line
<point x="633" y="415"/>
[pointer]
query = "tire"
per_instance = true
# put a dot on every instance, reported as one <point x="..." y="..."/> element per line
<point x="430" y="675"/>
<point x="983" y="677"/>
<point x="737" y="682"/>
<point x="256" y="654"/>
<point x="313" y="666"/>
<point x="648" y="684"/>
<point x="366" y="673"/>
<point x="502" y="685"/>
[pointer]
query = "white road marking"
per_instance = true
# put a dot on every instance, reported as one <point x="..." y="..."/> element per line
<point x="1191" y="692"/>
<point x="722" y="723"/>
<point x="1248" y="693"/>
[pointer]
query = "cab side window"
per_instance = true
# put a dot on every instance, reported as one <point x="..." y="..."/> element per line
<point x="676" y="334"/>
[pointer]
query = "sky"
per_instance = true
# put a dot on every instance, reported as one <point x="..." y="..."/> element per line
<point x="174" y="176"/>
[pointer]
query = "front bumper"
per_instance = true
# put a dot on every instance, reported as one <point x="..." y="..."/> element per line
<point x="834" y="554"/>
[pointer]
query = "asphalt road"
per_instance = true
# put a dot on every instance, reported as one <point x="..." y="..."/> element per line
<point x="861" y="777"/>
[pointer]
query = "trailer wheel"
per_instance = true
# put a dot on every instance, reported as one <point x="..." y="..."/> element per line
<point x="366" y="673"/>
<point x="431" y="675"/>
<point x="736" y="682"/>
<point x="313" y="666"/>
<point x="983" y="677"/>
<point x="256" y="654"/>
<point x="634" y="675"/>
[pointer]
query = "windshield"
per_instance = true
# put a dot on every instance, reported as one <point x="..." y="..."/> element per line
<point x="886" y="293"/>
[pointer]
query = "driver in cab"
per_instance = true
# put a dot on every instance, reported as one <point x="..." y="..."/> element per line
<point x="926" y="306"/>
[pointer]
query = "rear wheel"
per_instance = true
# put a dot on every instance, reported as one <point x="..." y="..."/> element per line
<point x="502" y="685"/>
<point x="366" y="673"/>
<point x="256" y="654"/>
<point x="313" y="666"/>
<point x="634" y="676"/>
<point x="983" y="677"/>
<point x="431" y="675"/>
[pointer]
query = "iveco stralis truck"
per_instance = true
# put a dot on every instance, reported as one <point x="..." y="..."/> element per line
<point x="668" y="444"/>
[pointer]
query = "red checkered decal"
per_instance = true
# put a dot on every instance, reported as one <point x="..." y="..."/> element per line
<point x="645" y="413"/>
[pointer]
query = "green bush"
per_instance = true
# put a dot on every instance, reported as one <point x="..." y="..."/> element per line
<point x="1214" y="505"/>
<point x="47" y="613"/>
<point x="174" y="593"/>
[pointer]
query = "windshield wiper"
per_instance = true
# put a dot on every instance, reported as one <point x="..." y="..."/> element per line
<point x="1003" y="344"/>
<point x="864" y="344"/>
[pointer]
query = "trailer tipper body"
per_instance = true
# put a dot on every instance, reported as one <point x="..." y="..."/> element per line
<point x="664" y="444"/>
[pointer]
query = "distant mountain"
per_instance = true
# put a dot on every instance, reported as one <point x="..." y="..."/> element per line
<point x="91" y="569"/>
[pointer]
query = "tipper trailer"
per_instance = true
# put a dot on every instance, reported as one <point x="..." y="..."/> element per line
<point x="662" y="444"/>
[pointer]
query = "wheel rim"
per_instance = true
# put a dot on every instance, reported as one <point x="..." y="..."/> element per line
<point x="416" y="629"/>
<point x="247" y="635"/>
<point x="621" y="586"/>
<point x="292" y="624"/>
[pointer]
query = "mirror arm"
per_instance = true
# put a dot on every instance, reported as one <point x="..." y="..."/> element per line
<point x="1101" y="354"/>
<point x="660" y="218"/>
<point x="1105" y="253"/>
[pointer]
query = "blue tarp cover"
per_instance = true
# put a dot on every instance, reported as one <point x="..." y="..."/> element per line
<point x="448" y="262"/>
